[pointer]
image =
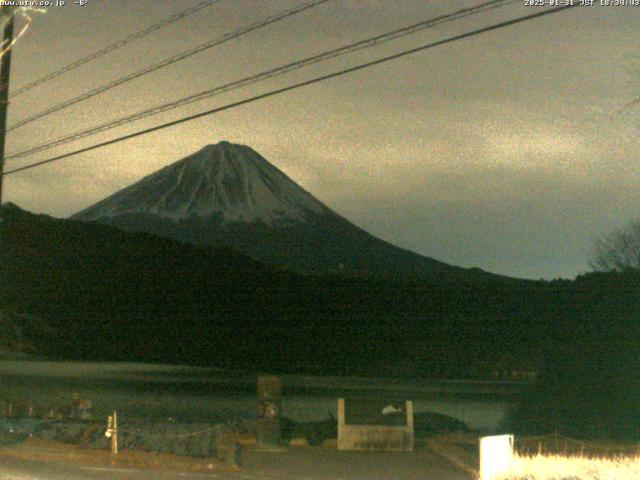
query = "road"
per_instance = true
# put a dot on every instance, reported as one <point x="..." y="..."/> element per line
<point x="307" y="463"/>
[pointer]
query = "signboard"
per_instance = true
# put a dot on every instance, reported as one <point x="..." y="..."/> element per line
<point x="375" y="412"/>
<point x="495" y="456"/>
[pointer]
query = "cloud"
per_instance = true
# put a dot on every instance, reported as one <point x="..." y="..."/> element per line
<point x="520" y="148"/>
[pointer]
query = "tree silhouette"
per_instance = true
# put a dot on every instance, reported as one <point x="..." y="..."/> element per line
<point x="619" y="250"/>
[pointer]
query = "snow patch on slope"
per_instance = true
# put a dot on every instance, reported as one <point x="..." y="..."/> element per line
<point x="226" y="179"/>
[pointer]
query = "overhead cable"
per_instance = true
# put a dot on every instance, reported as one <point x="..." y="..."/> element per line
<point x="169" y="61"/>
<point x="296" y="86"/>
<point x="360" y="45"/>
<point x="110" y="48"/>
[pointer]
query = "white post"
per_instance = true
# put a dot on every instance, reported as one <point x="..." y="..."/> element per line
<point x="495" y="456"/>
<point x="112" y="432"/>
<point x="342" y="441"/>
<point x="341" y="413"/>
<point x="114" y="437"/>
<point x="409" y="410"/>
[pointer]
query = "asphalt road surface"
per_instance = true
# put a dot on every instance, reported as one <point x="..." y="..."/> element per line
<point x="298" y="463"/>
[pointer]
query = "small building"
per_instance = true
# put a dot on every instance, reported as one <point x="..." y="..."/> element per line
<point x="371" y="425"/>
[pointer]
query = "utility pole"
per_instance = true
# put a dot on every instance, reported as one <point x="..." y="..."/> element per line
<point x="8" y="20"/>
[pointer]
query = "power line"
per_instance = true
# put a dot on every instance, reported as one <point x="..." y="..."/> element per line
<point x="114" y="46"/>
<point x="369" y="42"/>
<point x="296" y="86"/>
<point x="169" y="61"/>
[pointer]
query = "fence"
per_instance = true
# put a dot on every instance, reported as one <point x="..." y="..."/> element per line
<point x="496" y="452"/>
<point x="556" y="443"/>
<point x="195" y="440"/>
<point x="72" y="420"/>
<point x="468" y="453"/>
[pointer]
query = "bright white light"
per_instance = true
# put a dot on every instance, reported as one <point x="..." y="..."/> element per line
<point x="495" y="456"/>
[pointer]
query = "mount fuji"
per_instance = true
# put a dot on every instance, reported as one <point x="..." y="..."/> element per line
<point x="228" y="196"/>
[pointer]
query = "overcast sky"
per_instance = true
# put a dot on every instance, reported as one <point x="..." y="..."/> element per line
<point x="507" y="151"/>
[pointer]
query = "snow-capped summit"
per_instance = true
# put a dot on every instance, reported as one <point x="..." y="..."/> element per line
<point x="229" y="180"/>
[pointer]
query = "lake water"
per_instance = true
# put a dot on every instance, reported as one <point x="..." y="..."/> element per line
<point x="190" y="394"/>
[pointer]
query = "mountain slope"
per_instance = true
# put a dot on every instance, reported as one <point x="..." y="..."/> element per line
<point x="227" y="195"/>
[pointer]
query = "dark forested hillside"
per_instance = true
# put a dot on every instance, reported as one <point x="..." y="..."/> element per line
<point x="116" y="295"/>
<point x="109" y="294"/>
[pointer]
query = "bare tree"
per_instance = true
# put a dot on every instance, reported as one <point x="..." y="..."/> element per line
<point x="619" y="250"/>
